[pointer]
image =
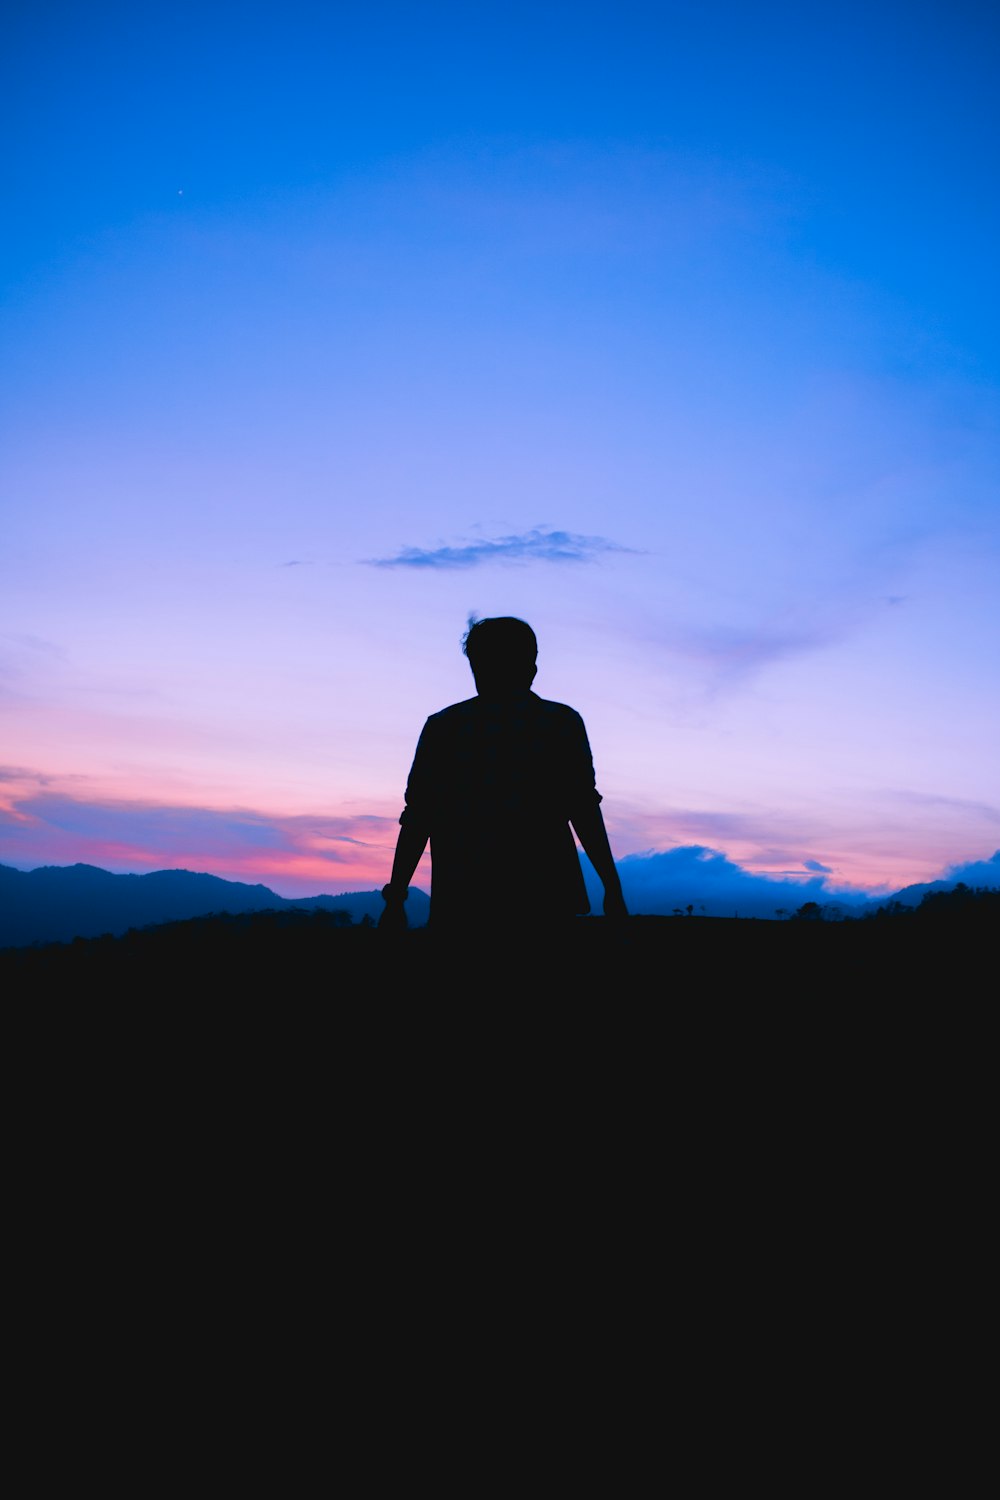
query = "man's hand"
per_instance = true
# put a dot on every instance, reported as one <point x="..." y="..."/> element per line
<point x="590" y="830"/>
<point x="393" y="919"/>
<point x="614" y="903"/>
<point x="410" y="845"/>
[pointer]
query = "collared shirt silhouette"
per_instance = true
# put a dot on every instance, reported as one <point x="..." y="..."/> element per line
<point x="495" y="784"/>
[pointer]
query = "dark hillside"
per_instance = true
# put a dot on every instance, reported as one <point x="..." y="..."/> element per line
<point x="945" y="945"/>
<point x="55" y="904"/>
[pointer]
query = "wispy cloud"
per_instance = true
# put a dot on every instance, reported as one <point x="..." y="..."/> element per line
<point x="729" y="655"/>
<point x="538" y="545"/>
<point x="957" y="806"/>
<point x="37" y="644"/>
<point x="297" y="852"/>
<point x="302" y="854"/>
<point x="164" y="830"/>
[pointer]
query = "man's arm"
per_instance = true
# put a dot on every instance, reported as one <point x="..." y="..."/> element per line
<point x="588" y="823"/>
<point x="410" y="845"/>
<point x="414" y="831"/>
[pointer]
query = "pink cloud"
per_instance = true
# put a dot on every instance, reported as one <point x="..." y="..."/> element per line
<point x="296" y="854"/>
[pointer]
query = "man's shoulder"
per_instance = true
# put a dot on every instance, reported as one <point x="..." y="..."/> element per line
<point x="557" y="711"/>
<point x="454" y="713"/>
<point x="458" y="713"/>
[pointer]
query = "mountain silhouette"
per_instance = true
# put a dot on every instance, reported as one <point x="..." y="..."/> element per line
<point x="57" y="903"/>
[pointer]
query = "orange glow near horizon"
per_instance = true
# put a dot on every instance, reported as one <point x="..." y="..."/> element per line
<point x="49" y="822"/>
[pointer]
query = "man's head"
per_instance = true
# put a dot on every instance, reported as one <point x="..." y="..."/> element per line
<point x="502" y="654"/>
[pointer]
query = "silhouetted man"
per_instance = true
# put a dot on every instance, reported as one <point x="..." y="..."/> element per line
<point x="495" y="783"/>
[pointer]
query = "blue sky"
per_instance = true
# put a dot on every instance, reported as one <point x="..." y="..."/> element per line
<point x="672" y="331"/>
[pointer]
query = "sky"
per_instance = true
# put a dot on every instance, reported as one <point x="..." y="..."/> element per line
<point x="672" y="330"/>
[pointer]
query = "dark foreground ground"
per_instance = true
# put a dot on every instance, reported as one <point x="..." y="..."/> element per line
<point x="295" y="1012"/>
<point x="695" y="1162"/>
<point x="709" y="1023"/>
<point x="305" y="957"/>
<point x="702" y="1028"/>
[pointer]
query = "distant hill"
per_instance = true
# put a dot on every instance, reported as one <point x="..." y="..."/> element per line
<point x="980" y="874"/>
<point x="643" y="965"/>
<point x="912" y="895"/>
<point x="58" y="903"/>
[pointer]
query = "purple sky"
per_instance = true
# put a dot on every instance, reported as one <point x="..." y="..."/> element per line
<point x="671" y="330"/>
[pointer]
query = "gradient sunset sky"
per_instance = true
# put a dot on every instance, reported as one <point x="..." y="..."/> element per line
<point x="672" y="329"/>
